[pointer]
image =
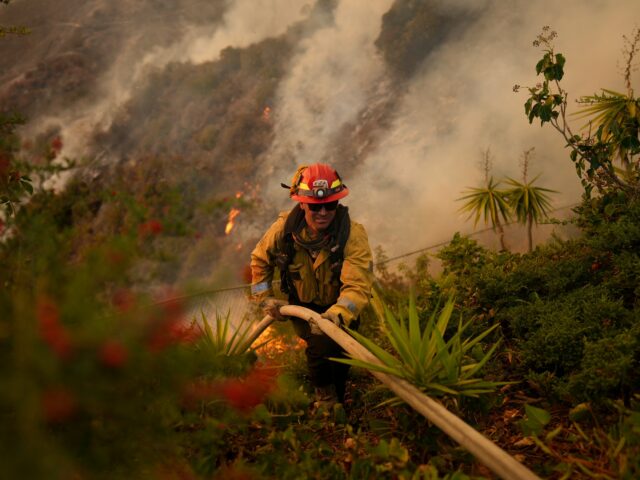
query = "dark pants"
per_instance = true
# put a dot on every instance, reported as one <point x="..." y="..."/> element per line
<point x="320" y="348"/>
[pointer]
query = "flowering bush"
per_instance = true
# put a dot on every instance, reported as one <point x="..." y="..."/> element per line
<point x="97" y="378"/>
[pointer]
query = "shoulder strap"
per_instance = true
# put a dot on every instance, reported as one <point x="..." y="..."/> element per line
<point x="341" y="235"/>
<point x="286" y="251"/>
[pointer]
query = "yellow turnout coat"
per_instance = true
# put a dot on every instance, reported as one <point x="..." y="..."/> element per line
<point x="312" y="277"/>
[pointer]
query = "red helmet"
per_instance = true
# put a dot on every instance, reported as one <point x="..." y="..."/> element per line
<point x="317" y="183"/>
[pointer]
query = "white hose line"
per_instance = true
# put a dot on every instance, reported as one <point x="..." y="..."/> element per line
<point x="499" y="461"/>
<point x="257" y="330"/>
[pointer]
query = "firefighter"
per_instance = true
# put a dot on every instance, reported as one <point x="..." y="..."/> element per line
<point x="325" y="262"/>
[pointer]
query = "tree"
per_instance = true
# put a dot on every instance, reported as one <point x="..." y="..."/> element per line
<point x="488" y="202"/>
<point x="530" y="204"/>
<point x="613" y="131"/>
<point x="16" y="172"/>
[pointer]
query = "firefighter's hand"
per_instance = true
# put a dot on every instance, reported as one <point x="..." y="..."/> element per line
<point x="315" y="329"/>
<point x="271" y="306"/>
<point x="336" y="318"/>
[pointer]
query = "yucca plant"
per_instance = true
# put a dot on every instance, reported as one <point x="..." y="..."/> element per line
<point x="529" y="203"/>
<point x="490" y="203"/>
<point x="424" y="358"/>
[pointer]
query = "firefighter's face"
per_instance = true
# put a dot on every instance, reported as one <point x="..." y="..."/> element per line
<point x="318" y="220"/>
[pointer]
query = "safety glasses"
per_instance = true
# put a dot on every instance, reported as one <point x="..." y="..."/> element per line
<point x="329" y="206"/>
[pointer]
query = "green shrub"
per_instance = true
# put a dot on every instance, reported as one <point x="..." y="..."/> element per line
<point x="609" y="368"/>
<point x="551" y="334"/>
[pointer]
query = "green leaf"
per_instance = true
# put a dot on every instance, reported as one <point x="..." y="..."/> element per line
<point x="536" y="414"/>
<point x="399" y="338"/>
<point x="368" y="366"/>
<point x="381" y="354"/>
<point x="414" y="324"/>
<point x="28" y="187"/>
<point x="398" y="451"/>
<point x="553" y="433"/>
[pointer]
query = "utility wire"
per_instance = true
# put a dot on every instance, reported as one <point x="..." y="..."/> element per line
<point x="387" y="260"/>
<point x="441" y="244"/>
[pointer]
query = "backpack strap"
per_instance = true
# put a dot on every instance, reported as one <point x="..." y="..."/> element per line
<point x="339" y="240"/>
<point x="286" y="252"/>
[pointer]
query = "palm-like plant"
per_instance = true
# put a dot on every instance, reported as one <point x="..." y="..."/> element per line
<point x="617" y="119"/>
<point x="529" y="203"/>
<point x="490" y="203"/>
<point x="425" y="359"/>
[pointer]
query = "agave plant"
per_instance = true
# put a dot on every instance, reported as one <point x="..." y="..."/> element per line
<point x="226" y="339"/>
<point x="424" y="358"/>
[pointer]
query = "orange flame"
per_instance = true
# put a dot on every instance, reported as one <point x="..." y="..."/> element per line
<point x="266" y="113"/>
<point x="233" y="213"/>
<point x="239" y="194"/>
<point x="277" y="344"/>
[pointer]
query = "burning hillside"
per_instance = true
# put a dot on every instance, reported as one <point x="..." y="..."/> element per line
<point x="188" y="101"/>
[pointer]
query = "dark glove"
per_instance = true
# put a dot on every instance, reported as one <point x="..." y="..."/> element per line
<point x="271" y="306"/>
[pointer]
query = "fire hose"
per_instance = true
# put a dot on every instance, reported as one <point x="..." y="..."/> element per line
<point x="487" y="452"/>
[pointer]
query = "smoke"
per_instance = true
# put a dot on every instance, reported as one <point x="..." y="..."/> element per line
<point x="461" y="102"/>
<point x="458" y="102"/>
<point x="333" y="75"/>
<point x="243" y="23"/>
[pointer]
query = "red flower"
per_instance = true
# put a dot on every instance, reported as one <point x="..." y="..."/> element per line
<point x="245" y="394"/>
<point x="172" y="332"/>
<point x="198" y="391"/>
<point x="113" y="354"/>
<point x="52" y="331"/>
<point x="187" y="334"/>
<point x="150" y="227"/>
<point x="170" y="326"/>
<point x="242" y="394"/>
<point x="58" y="405"/>
<point x="123" y="300"/>
<point x="172" y="308"/>
<point x="116" y="256"/>
<point x="56" y="145"/>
